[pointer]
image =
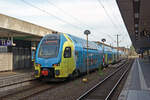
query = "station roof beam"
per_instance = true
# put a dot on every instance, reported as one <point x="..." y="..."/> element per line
<point x="136" y="16"/>
<point x="20" y="29"/>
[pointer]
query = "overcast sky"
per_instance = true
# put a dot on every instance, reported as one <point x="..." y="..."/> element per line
<point x="101" y="17"/>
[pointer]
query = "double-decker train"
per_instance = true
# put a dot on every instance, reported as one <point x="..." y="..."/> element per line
<point x="60" y="56"/>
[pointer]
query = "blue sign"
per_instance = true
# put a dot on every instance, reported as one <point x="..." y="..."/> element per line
<point x="4" y="42"/>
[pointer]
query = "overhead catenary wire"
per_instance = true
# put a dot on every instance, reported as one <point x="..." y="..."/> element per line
<point x="114" y="25"/>
<point x="108" y="15"/>
<point x="73" y="17"/>
<point x="59" y="19"/>
<point x="112" y="40"/>
<point x="50" y="14"/>
<point x="113" y="15"/>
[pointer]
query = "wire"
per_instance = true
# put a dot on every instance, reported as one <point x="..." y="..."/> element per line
<point x="111" y="37"/>
<point x="114" y="25"/>
<point x="112" y="40"/>
<point x="107" y="14"/>
<point x="113" y="15"/>
<point x="50" y="14"/>
<point x="81" y="23"/>
<point x="66" y="14"/>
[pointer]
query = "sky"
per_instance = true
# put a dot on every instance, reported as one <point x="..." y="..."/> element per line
<point x="101" y="17"/>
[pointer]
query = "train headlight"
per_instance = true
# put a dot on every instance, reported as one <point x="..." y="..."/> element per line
<point x="57" y="72"/>
<point x="56" y="64"/>
<point x="37" y="65"/>
<point x="36" y="72"/>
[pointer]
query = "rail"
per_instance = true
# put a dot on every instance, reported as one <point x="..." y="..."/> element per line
<point x="101" y="82"/>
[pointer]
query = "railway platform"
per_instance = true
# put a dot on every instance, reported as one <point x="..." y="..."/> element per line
<point x="137" y="86"/>
<point x="18" y="76"/>
<point x="15" y="72"/>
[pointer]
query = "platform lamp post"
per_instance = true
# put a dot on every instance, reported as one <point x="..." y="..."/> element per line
<point x="103" y="40"/>
<point x="87" y="32"/>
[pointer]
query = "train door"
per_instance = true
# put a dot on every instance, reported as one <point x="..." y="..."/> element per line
<point x="106" y="56"/>
<point x="101" y="59"/>
<point x="67" y="59"/>
<point x="84" y="60"/>
<point x="112" y="57"/>
<point x="81" y="63"/>
<point x="78" y="59"/>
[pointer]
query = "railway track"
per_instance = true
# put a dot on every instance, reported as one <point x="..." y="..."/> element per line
<point x="17" y="85"/>
<point x="22" y="92"/>
<point x="15" y="80"/>
<point x="25" y="92"/>
<point x="104" y="89"/>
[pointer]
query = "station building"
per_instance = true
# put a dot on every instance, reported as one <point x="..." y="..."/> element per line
<point x="18" y="41"/>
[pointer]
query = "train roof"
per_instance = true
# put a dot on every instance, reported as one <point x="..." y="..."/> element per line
<point x="82" y="42"/>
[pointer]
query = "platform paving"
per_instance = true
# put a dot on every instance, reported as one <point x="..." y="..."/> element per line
<point x="7" y="78"/>
<point x="137" y="86"/>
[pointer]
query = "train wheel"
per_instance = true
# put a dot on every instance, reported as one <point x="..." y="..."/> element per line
<point x="39" y="79"/>
<point x="75" y="74"/>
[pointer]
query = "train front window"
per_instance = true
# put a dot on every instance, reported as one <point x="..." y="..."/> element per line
<point x="49" y="49"/>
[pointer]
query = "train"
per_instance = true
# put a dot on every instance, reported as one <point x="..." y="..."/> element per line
<point x="60" y="56"/>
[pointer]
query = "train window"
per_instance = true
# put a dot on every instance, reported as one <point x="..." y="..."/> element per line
<point x="67" y="52"/>
<point x="49" y="49"/>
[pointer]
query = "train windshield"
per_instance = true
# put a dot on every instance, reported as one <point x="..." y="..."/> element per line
<point x="49" y="49"/>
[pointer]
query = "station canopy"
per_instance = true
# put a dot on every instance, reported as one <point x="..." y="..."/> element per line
<point x="136" y="16"/>
<point x="17" y="29"/>
<point x="17" y="35"/>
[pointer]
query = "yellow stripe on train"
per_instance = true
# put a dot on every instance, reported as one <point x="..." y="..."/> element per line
<point x="67" y="65"/>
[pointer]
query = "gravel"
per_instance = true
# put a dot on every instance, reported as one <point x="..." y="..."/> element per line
<point x="75" y="88"/>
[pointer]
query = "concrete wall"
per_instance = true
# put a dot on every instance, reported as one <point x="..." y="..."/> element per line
<point x="12" y="25"/>
<point x="22" y="26"/>
<point x="6" y="61"/>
